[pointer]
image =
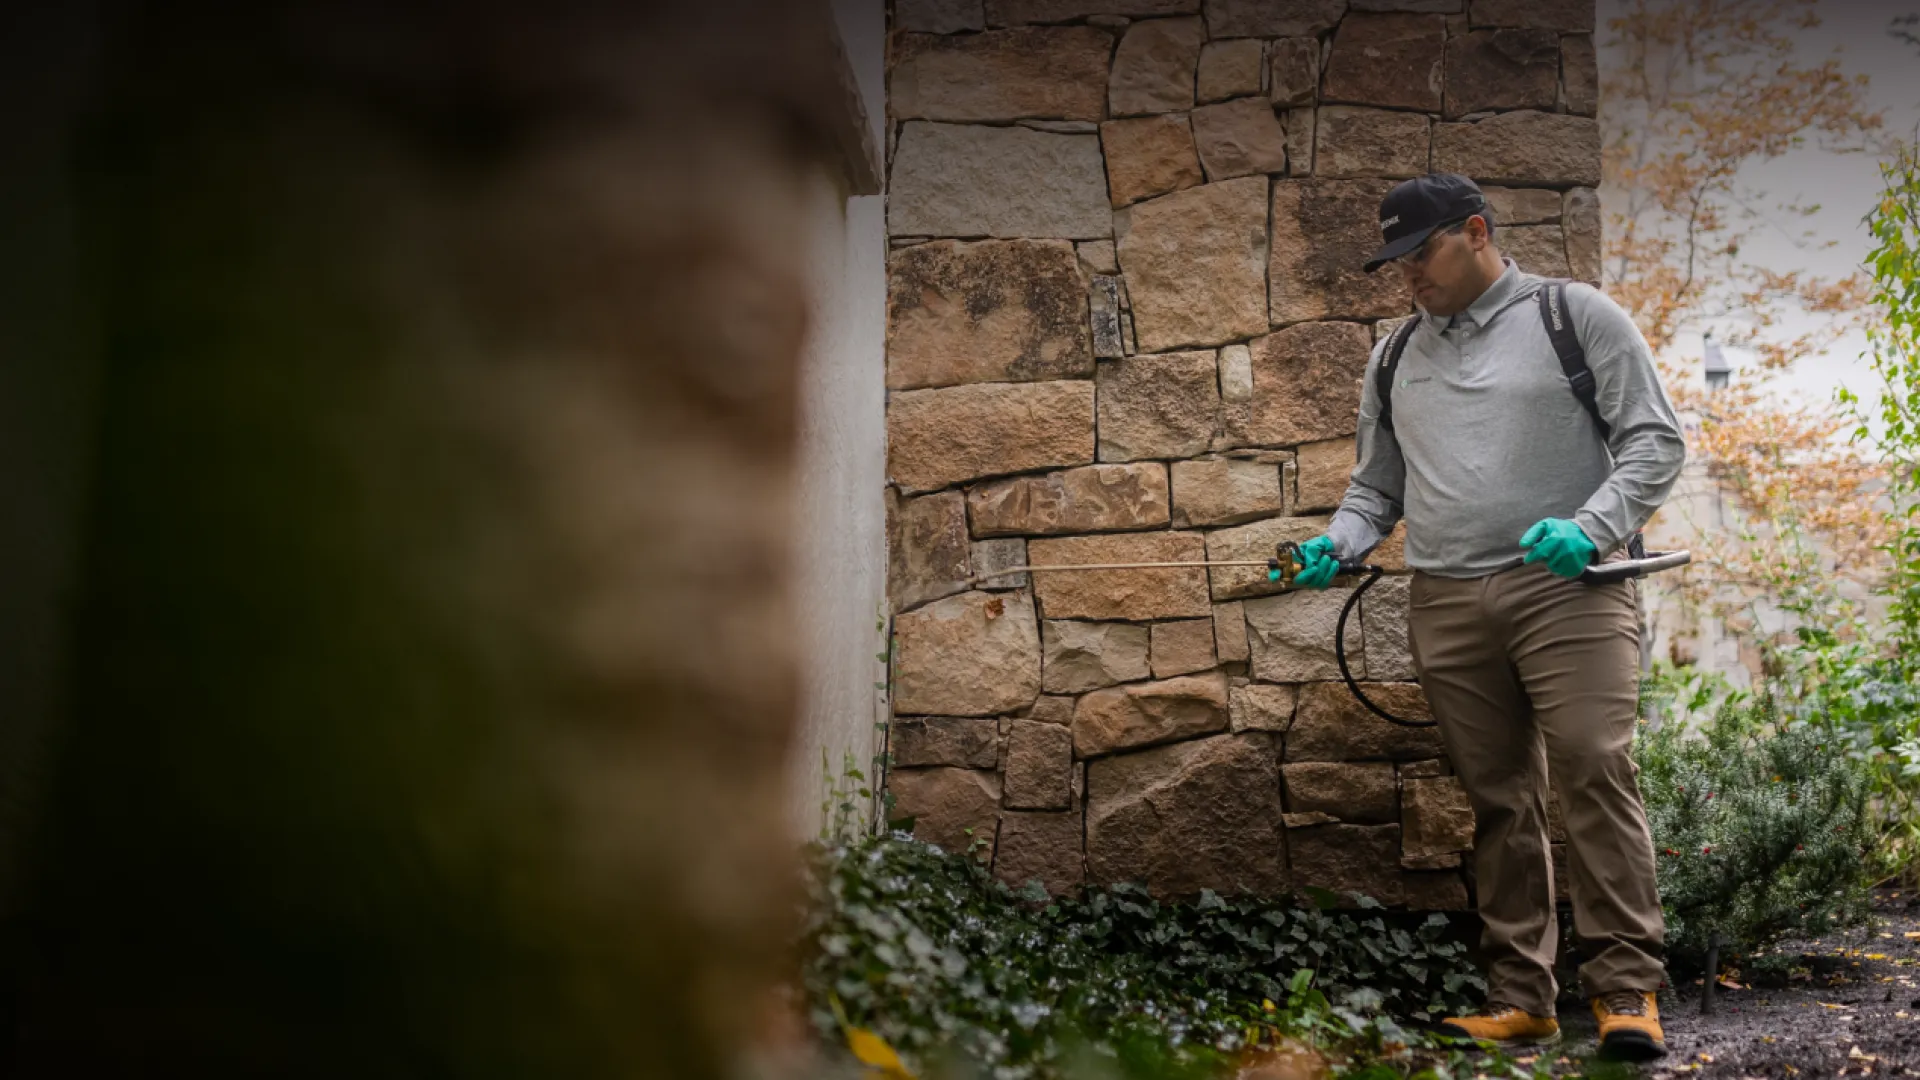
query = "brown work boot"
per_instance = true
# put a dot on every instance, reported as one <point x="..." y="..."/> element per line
<point x="1629" y="1026"/>
<point x="1503" y="1025"/>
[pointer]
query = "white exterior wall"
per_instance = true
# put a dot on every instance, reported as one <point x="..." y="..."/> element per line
<point x="840" y="526"/>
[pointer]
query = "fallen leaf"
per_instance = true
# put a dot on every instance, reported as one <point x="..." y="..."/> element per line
<point x="873" y="1051"/>
<point x="1824" y="1005"/>
<point x="1706" y="1057"/>
<point x="1876" y="956"/>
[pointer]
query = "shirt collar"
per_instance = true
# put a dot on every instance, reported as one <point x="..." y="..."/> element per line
<point x="1482" y="310"/>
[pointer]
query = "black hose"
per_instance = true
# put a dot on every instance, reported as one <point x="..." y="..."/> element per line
<point x="1340" y="649"/>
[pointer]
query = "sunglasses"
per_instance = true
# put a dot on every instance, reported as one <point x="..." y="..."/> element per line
<point x="1419" y="256"/>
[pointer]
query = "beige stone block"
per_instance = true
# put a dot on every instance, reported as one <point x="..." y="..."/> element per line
<point x="1153" y="69"/>
<point x="1537" y="249"/>
<point x="1224" y="491"/>
<point x="1149" y="156"/>
<point x="1136" y="595"/>
<point x="1522" y="206"/>
<point x="1254" y="542"/>
<point x="950" y="807"/>
<point x="975" y="654"/>
<point x="1097" y="498"/>
<point x="1015" y="12"/>
<point x="1349" y="860"/>
<point x="1391" y="555"/>
<point x="1195" y="815"/>
<point x="927" y="548"/>
<point x="1331" y="725"/>
<point x="997" y="556"/>
<point x="996" y="311"/>
<point x="1582" y="215"/>
<point x="1043" y="847"/>
<point x="1147" y="714"/>
<point x="1383" y="622"/>
<point x="1006" y="182"/>
<point x="1292" y="636"/>
<point x="1566" y="16"/>
<point x="1322" y="475"/>
<point x="1182" y="647"/>
<point x="1230" y="633"/>
<point x="1272" y="18"/>
<point x="1082" y="656"/>
<point x="1262" y="706"/>
<point x="1520" y="148"/>
<point x="1323" y="232"/>
<point x="1393" y="60"/>
<point x="1423" y="770"/>
<point x="1039" y="774"/>
<point x="1240" y="138"/>
<point x="1436" y="818"/>
<point x="1052" y="709"/>
<point x="1229" y="69"/>
<point x="938" y="16"/>
<point x="1302" y="129"/>
<point x="962" y="741"/>
<point x="1164" y="405"/>
<point x="1580" y="74"/>
<point x="1353" y="141"/>
<point x="1502" y="69"/>
<point x="1306" y="385"/>
<point x="1196" y="265"/>
<point x="1440" y="891"/>
<point x="941" y="437"/>
<point x="1236" y="373"/>
<point x="1293" y="71"/>
<point x="1097" y="257"/>
<point x="1058" y="72"/>
<point x="1360" y="794"/>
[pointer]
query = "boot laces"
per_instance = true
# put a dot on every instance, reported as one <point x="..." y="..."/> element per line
<point x="1624" y="1003"/>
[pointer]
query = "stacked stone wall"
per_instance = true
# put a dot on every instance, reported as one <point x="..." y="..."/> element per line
<point x="1126" y="323"/>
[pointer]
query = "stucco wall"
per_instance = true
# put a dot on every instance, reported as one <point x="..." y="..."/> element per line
<point x="840" y="577"/>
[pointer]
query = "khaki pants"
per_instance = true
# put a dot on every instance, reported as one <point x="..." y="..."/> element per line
<point x="1528" y="672"/>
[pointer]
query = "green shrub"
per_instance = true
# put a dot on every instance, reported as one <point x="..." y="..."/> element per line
<point x="934" y="955"/>
<point x="1761" y="832"/>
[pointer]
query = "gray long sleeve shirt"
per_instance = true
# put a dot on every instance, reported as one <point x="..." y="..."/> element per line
<point x="1488" y="438"/>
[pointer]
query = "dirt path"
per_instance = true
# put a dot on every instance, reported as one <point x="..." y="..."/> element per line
<point x="1855" y="1014"/>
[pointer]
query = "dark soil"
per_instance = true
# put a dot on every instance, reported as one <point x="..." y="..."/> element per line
<point x="1852" y="1010"/>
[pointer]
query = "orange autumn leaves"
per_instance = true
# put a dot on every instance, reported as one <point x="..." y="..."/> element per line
<point x="1694" y="92"/>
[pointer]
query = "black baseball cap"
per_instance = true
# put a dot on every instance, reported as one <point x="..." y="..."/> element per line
<point x="1415" y="208"/>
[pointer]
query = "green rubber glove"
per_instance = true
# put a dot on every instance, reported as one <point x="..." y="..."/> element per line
<point x="1317" y="564"/>
<point x="1561" y="544"/>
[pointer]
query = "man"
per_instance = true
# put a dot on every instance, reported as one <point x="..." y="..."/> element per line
<point x="1510" y="487"/>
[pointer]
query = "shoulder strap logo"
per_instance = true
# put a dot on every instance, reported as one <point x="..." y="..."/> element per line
<point x="1553" y="307"/>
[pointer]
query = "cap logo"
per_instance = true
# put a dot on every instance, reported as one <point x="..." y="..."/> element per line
<point x="1388" y="223"/>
